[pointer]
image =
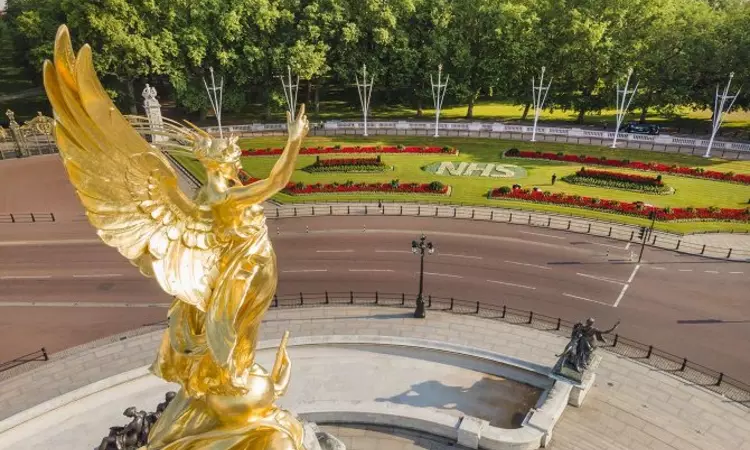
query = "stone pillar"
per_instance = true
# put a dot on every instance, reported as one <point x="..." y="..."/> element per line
<point x="22" y="150"/>
<point x="153" y="112"/>
<point x="581" y="382"/>
<point x="470" y="431"/>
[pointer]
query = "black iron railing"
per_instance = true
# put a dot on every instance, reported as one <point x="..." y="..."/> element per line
<point x="555" y="221"/>
<point x="27" y="217"/>
<point x="39" y="355"/>
<point x="691" y="372"/>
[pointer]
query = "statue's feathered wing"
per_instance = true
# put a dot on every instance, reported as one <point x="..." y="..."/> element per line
<point x="129" y="190"/>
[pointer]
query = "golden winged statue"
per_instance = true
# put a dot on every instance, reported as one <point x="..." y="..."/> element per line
<point x="212" y="253"/>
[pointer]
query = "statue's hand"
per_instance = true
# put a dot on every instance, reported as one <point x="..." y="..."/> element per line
<point x="282" y="368"/>
<point x="282" y="372"/>
<point x="298" y="128"/>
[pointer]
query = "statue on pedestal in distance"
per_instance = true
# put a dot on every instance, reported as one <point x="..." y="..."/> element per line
<point x="578" y="353"/>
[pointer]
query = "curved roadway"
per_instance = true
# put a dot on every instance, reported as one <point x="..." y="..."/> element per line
<point x="60" y="286"/>
<point x="82" y="290"/>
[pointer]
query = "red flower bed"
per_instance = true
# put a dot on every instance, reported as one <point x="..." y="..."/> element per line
<point x="348" y="162"/>
<point x="696" y="172"/>
<point x="339" y="149"/>
<point x="632" y="209"/>
<point x="617" y="176"/>
<point x="426" y="188"/>
<point x="246" y="178"/>
<point x="435" y="187"/>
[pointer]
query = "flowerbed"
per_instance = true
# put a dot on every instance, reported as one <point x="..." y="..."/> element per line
<point x="347" y="165"/>
<point x="246" y="178"/>
<point x="618" y="180"/>
<point x="357" y="149"/>
<point x="394" y="186"/>
<point x="632" y="209"/>
<point x="696" y="172"/>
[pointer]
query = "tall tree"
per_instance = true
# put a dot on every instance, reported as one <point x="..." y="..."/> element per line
<point x="132" y="39"/>
<point x="592" y="43"/>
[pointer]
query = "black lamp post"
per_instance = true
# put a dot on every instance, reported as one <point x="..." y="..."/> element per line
<point x="418" y="248"/>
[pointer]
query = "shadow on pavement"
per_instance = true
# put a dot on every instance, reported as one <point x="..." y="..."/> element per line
<point x="503" y="402"/>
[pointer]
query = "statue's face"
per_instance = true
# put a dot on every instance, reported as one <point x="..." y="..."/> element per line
<point x="220" y="155"/>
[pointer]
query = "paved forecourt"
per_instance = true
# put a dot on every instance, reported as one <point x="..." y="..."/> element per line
<point x="630" y="407"/>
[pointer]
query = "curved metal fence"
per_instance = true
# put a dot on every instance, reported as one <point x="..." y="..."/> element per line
<point x="26" y="217"/>
<point x="626" y="233"/>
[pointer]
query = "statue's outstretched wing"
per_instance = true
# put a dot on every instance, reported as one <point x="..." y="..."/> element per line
<point x="129" y="190"/>
<point x="170" y="137"/>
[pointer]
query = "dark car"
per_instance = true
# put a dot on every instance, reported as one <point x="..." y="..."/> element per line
<point x="640" y="128"/>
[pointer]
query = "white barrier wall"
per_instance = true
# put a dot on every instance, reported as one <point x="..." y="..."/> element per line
<point x="478" y="128"/>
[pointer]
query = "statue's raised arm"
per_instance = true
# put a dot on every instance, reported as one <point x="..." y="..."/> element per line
<point x="281" y="173"/>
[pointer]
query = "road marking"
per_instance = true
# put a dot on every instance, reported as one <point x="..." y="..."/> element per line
<point x="622" y="294"/>
<point x="50" y="242"/>
<point x="609" y="280"/>
<point x="659" y="268"/>
<point x="686" y="270"/>
<point x="529" y="265"/>
<point x="542" y="234"/>
<point x="459" y="256"/>
<point x="736" y="272"/>
<point x="625" y="287"/>
<point x="84" y="305"/>
<point x="371" y="270"/>
<point x="25" y="277"/>
<point x="304" y="270"/>
<point x="711" y="271"/>
<point x="335" y="251"/>
<point x="392" y="251"/>
<point x="586" y="299"/>
<point x="627" y="246"/>
<point x="632" y="275"/>
<point x="512" y="284"/>
<point x="98" y="275"/>
<point x="442" y="275"/>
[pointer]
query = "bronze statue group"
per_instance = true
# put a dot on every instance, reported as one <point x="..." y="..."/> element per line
<point x="135" y="434"/>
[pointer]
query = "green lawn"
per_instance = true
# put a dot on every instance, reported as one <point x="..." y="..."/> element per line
<point x="473" y="190"/>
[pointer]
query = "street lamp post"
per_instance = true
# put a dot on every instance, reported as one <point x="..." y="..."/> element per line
<point x="419" y="248"/>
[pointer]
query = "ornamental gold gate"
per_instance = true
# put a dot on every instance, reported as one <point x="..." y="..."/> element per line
<point x="32" y="138"/>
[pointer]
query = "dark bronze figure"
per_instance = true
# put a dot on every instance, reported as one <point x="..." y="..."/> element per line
<point x="134" y="435"/>
<point x="577" y="354"/>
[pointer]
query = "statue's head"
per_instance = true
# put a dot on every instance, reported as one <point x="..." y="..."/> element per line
<point x="130" y="412"/>
<point x="589" y="321"/>
<point x="219" y="154"/>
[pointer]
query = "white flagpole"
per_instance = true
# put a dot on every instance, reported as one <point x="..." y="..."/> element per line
<point x="719" y="101"/>
<point x="438" y="94"/>
<point x="364" y="90"/>
<point x="216" y="101"/>
<point x="538" y="96"/>
<point x="623" y="104"/>
<point x="290" y="92"/>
